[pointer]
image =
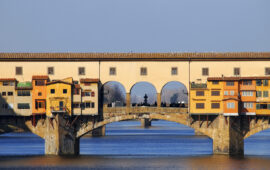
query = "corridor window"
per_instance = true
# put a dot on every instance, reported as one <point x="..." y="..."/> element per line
<point x="230" y="105"/>
<point x="247" y="93"/>
<point x="205" y="71"/>
<point x="199" y="105"/>
<point x="50" y="70"/>
<point x="23" y="93"/>
<point x="143" y="71"/>
<point x="174" y="71"/>
<point x="215" y="82"/>
<point x="112" y="71"/>
<point x="39" y="82"/>
<point x="81" y="71"/>
<point x="236" y="71"/>
<point x="247" y="82"/>
<point x="19" y="70"/>
<point x="267" y="71"/>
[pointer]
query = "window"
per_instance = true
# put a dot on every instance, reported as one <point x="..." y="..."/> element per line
<point x="174" y="71"/>
<point x="230" y="105"/>
<point x="258" y="82"/>
<point x="248" y="105"/>
<point x="229" y="83"/>
<point x="81" y="71"/>
<point x="10" y="93"/>
<point x="143" y="71"/>
<point x="23" y="93"/>
<point x="76" y="105"/>
<point x="92" y="94"/>
<point x="112" y="71"/>
<point x="40" y="104"/>
<point x="52" y="91"/>
<point x="50" y="70"/>
<point x="215" y="82"/>
<point x="5" y="83"/>
<point x="11" y="83"/>
<point x="23" y="106"/>
<point x="76" y="91"/>
<point x="19" y="71"/>
<point x="39" y="94"/>
<point x="247" y="93"/>
<point x="236" y="71"/>
<point x="231" y="92"/>
<point x="39" y="82"/>
<point x="64" y="91"/>
<point x="86" y="94"/>
<point x="199" y="93"/>
<point x="262" y="106"/>
<point x="215" y="93"/>
<point x="87" y="105"/>
<point x="226" y="93"/>
<point x="265" y="82"/>
<point x="4" y="93"/>
<point x="93" y="105"/>
<point x="267" y="70"/>
<point x="247" y="82"/>
<point x="258" y="94"/>
<point x="215" y="105"/>
<point x="205" y="71"/>
<point x="4" y="106"/>
<point x="199" y="105"/>
<point x="265" y="93"/>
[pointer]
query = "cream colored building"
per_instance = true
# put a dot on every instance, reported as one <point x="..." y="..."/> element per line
<point x="7" y="92"/>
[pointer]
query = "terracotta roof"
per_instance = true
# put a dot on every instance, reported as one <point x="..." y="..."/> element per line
<point x="237" y="78"/>
<point x="77" y="86"/>
<point x="58" y="81"/>
<point x="40" y="77"/>
<point x="8" y="79"/>
<point x="133" y="56"/>
<point x="88" y="80"/>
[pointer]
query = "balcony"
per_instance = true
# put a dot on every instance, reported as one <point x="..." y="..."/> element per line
<point x="58" y="109"/>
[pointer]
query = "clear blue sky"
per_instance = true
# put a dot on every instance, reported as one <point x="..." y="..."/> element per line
<point x="134" y="25"/>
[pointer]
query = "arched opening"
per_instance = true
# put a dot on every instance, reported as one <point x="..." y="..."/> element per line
<point x="174" y="94"/>
<point x="143" y="94"/>
<point x="113" y="94"/>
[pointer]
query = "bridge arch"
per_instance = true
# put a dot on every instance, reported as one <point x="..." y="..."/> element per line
<point x="174" y="94"/>
<point x="113" y="93"/>
<point x="150" y="116"/>
<point x="143" y="89"/>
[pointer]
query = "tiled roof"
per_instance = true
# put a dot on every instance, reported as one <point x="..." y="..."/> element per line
<point x="88" y="80"/>
<point x="133" y="56"/>
<point x="58" y="81"/>
<point x="40" y="77"/>
<point x="8" y="79"/>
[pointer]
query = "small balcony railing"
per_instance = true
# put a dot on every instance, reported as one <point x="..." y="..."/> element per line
<point x="61" y="109"/>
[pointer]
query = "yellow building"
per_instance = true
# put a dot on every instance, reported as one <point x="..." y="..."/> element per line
<point x="59" y="97"/>
<point x="262" y="96"/>
<point x="206" y="98"/>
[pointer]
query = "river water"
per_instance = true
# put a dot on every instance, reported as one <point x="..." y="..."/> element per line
<point x="165" y="145"/>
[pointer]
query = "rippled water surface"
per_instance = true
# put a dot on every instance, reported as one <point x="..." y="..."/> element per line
<point x="165" y="145"/>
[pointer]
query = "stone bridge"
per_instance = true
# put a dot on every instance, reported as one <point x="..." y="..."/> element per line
<point x="62" y="133"/>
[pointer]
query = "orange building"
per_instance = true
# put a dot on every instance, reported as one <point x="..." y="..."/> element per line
<point x="231" y="96"/>
<point x="248" y="95"/>
<point x="39" y="94"/>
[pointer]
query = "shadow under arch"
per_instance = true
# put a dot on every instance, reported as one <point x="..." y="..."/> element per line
<point x="143" y="93"/>
<point x="174" y="94"/>
<point x="113" y="94"/>
<point x="154" y="116"/>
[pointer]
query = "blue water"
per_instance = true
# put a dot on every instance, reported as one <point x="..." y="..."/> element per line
<point x="165" y="145"/>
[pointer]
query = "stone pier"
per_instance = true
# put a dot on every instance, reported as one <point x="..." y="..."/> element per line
<point x="99" y="131"/>
<point x="145" y="123"/>
<point x="60" y="138"/>
<point x="227" y="136"/>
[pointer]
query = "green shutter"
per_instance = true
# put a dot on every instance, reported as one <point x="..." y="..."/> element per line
<point x="257" y="106"/>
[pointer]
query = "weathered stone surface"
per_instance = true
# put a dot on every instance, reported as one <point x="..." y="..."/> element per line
<point x="145" y="123"/>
